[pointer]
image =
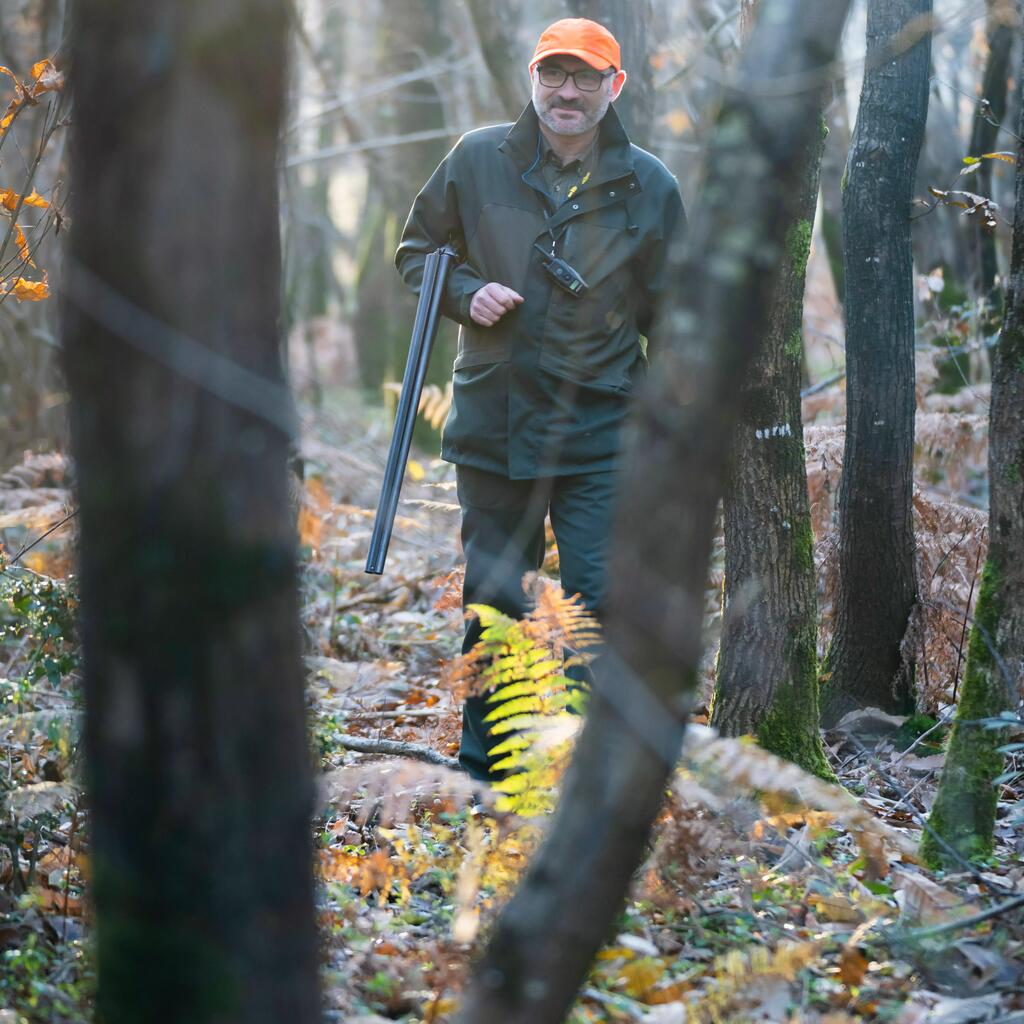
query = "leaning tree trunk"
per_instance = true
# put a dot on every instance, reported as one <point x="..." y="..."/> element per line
<point x="988" y="117"/>
<point x="833" y="166"/>
<point x="198" y="768"/>
<point x="877" y="578"/>
<point x="963" y="815"/>
<point x="628" y="21"/>
<point x="767" y="680"/>
<point x="672" y="478"/>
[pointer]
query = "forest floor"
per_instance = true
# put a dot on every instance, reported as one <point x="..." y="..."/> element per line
<point x="767" y="896"/>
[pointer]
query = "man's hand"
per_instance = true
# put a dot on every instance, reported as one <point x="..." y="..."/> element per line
<point x="492" y="302"/>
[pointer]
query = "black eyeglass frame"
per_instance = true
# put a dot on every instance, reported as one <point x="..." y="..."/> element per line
<point x="554" y="68"/>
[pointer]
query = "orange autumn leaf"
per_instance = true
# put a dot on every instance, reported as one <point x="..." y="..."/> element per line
<point x="10" y="199"/>
<point x="29" y="291"/>
<point x="311" y="529"/>
<point x="23" y="250"/>
<point x="45" y="78"/>
<point x="12" y="109"/>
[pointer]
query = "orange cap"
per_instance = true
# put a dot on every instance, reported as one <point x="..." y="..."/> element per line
<point x="579" y="37"/>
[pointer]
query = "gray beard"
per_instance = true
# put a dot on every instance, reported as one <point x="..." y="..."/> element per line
<point x="548" y="120"/>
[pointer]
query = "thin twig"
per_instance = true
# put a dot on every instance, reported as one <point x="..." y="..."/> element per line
<point x="398" y="713"/>
<point x="963" y="922"/>
<point x="963" y="632"/>
<point x="39" y="540"/>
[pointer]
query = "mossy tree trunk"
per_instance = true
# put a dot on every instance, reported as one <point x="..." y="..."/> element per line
<point x="767" y="679"/>
<point x="672" y="478"/>
<point x="198" y="768"/>
<point x="628" y="20"/>
<point x="964" y="811"/>
<point x="877" y="577"/>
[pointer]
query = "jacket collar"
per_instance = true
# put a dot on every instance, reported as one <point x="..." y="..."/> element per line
<point x="616" y="153"/>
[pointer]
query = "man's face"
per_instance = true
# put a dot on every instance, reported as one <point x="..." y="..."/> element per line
<point x="569" y="110"/>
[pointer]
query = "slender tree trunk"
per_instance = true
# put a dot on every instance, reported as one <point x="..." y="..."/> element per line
<point x="1003" y="28"/>
<point x="965" y="805"/>
<point x="628" y="21"/>
<point x="877" y="578"/>
<point x="385" y="307"/>
<point x="767" y="680"/>
<point x="833" y="168"/>
<point x="198" y="766"/>
<point x="673" y="475"/>
<point x="938" y="240"/>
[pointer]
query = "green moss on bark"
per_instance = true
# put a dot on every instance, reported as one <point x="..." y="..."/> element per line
<point x="798" y="244"/>
<point x="790" y="728"/>
<point x="803" y="544"/>
<point x="964" y="811"/>
<point x="794" y="348"/>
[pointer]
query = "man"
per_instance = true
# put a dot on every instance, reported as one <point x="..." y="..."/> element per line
<point x="564" y="228"/>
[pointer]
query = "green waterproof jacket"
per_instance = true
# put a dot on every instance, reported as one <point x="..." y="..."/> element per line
<point x="544" y="391"/>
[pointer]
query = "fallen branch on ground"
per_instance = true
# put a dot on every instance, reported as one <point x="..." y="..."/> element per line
<point x="394" y="748"/>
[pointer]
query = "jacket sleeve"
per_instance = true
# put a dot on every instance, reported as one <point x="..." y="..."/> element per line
<point x="661" y="267"/>
<point x="433" y="221"/>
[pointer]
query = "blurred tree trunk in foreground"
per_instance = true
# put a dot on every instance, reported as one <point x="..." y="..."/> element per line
<point x="672" y="478"/>
<point x="965" y="805"/>
<point x="877" y="578"/>
<point x="767" y="679"/>
<point x="198" y="766"/>
<point x="628" y="21"/>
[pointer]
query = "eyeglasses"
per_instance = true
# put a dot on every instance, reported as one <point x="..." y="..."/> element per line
<point x="551" y="76"/>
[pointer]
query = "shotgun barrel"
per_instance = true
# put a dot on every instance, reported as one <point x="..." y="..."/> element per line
<point x="424" y="331"/>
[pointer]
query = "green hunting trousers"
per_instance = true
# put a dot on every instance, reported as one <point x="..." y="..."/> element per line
<point x="503" y="538"/>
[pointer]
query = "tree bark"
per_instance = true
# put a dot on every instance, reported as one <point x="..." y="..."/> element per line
<point x="628" y="20"/>
<point x="964" y="811"/>
<point x="385" y="307"/>
<point x="672" y="478"/>
<point x="877" y="577"/>
<point x="496" y="29"/>
<point x="197" y="762"/>
<point x="1003" y="28"/>
<point x="767" y="680"/>
<point x="833" y="168"/>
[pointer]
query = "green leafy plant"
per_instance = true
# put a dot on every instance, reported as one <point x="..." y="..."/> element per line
<point x="523" y="666"/>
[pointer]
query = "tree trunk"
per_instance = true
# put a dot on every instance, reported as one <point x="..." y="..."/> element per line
<point x="496" y="27"/>
<point x="197" y="762"/>
<point x="672" y="478"/>
<point x="833" y="169"/>
<point x="964" y="811"/>
<point x="877" y="578"/>
<point x="385" y="307"/>
<point x="767" y="680"/>
<point x="988" y="117"/>
<point x="628" y="20"/>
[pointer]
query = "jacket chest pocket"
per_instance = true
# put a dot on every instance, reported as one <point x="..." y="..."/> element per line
<point x="593" y="339"/>
<point x="599" y="244"/>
